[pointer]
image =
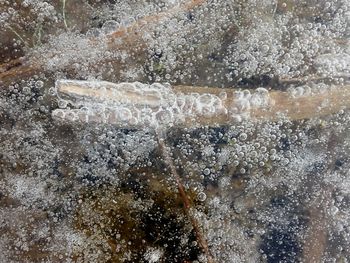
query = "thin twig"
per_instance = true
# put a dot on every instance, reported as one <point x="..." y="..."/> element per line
<point x="37" y="35"/>
<point x="275" y="9"/>
<point x="18" y="35"/>
<point x="64" y="13"/>
<point x="202" y="242"/>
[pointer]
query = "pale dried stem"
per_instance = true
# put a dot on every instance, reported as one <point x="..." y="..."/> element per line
<point x="317" y="103"/>
<point x="64" y="13"/>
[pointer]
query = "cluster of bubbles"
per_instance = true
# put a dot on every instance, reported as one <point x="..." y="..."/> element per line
<point x="336" y="65"/>
<point x="242" y="149"/>
<point x="111" y="152"/>
<point x="288" y="47"/>
<point x="40" y="11"/>
<point x="156" y="105"/>
<point x="43" y="9"/>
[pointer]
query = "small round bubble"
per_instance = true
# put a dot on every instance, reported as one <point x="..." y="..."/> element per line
<point x="110" y="26"/>
<point x="206" y="171"/>
<point x="26" y="90"/>
<point x="39" y="84"/>
<point x="201" y="196"/>
<point x="62" y="104"/>
<point x="243" y="136"/>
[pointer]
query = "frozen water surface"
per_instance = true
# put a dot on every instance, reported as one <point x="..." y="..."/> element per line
<point x="174" y="131"/>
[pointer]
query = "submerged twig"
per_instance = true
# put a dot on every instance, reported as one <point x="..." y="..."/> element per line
<point x="202" y="242"/>
<point x="64" y="13"/>
<point x="18" y="35"/>
<point x="124" y="104"/>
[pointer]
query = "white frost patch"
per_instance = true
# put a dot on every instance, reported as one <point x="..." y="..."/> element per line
<point x="153" y="255"/>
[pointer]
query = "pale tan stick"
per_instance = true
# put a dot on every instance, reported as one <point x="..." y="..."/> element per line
<point x="202" y="242"/>
<point x="318" y="104"/>
<point x="315" y="103"/>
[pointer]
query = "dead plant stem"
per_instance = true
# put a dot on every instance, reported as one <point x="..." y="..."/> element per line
<point x="202" y="242"/>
